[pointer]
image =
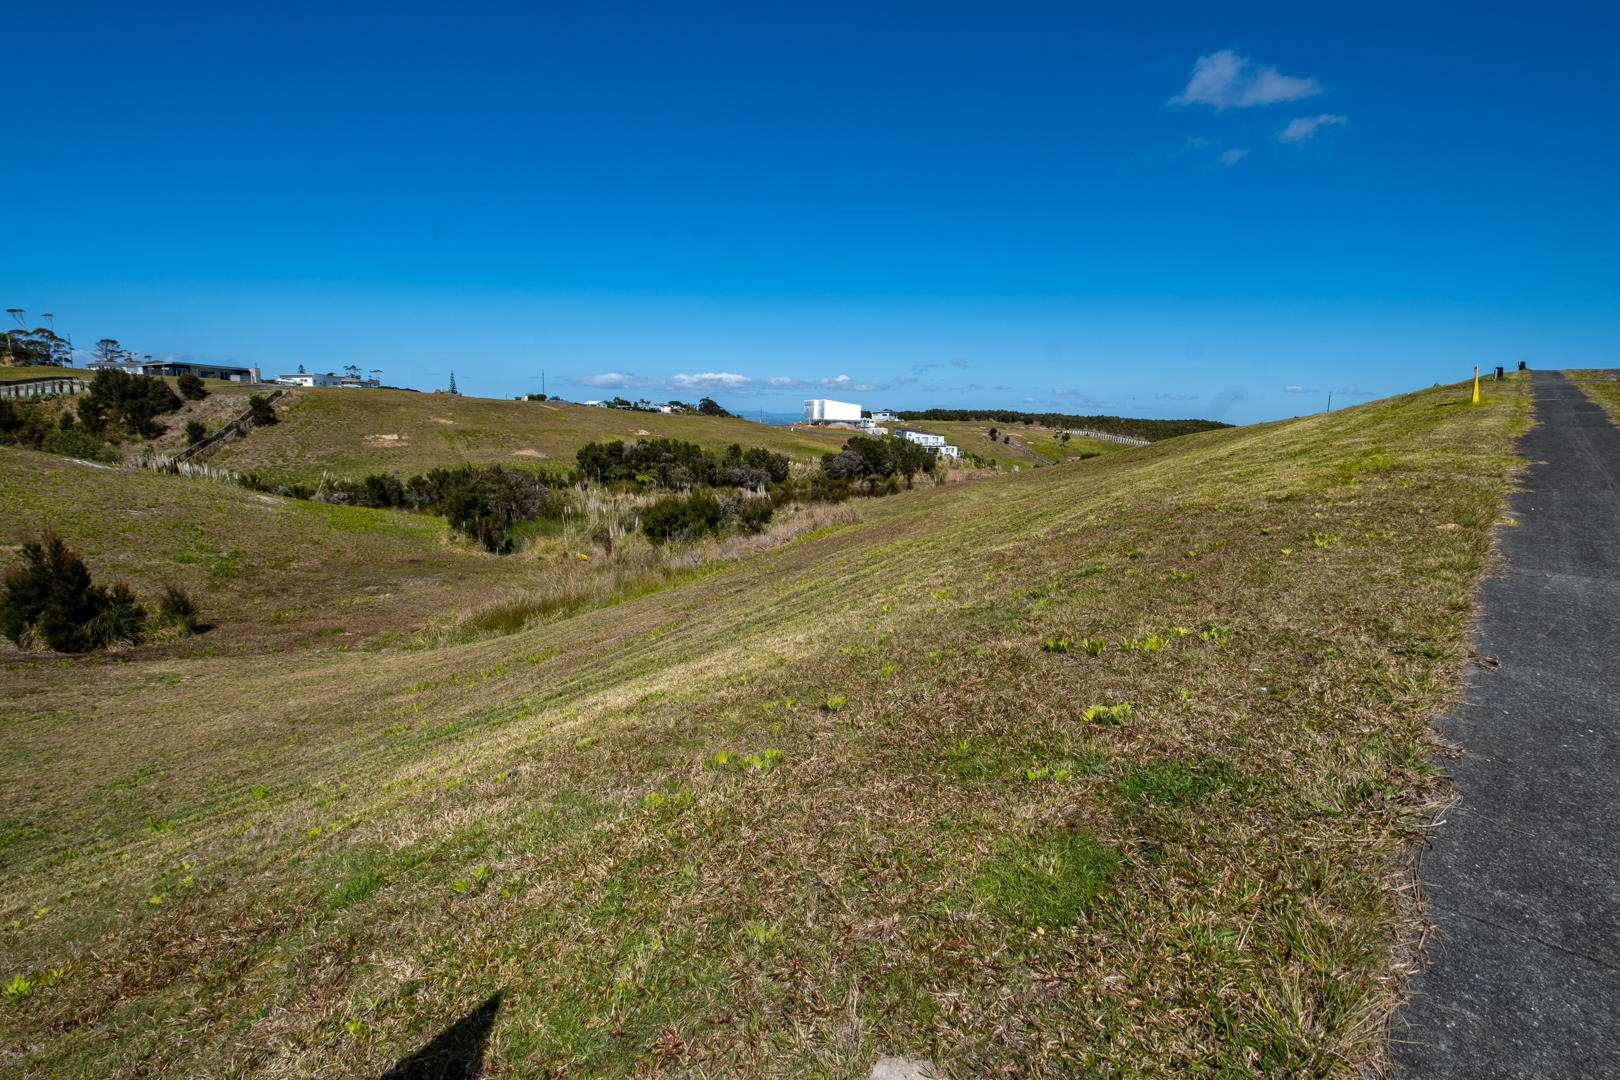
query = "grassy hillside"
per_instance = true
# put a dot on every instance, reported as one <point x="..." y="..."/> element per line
<point x="355" y="432"/>
<point x="974" y="438"/>
<point x="269" y="573"/>
<point x="875" y="790"/>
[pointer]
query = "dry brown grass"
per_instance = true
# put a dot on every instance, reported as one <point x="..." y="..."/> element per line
<point x="586" y="813"/>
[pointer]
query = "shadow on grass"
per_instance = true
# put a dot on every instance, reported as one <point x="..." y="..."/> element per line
<point x="456" y="1053"/>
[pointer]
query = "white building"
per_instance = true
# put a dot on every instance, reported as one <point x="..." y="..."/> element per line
<point x="885" y="416"/>
<point x="826" y="411"/>
<point x="312" y="379"/>
<point x="171" y="368"/>
<point x="922" y="438"/>
<point x="934" y="444"/>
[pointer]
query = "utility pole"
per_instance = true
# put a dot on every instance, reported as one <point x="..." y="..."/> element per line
<point x="1330" y="401"/>
<point x="542" y="382"/>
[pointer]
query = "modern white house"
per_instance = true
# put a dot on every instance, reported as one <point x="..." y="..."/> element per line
<point x="310" y="379"/>
<point x="826" y="411"/>
<point x="934" y="444"/>
<point x="227" y="372"/>
<point x="885" y="416"/>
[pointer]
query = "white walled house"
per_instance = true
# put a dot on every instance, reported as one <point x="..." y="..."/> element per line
<point x="934" y="444"/>
<point x="827" y="411"/>
<point x="922" y="438"/>
<point x="311" y="379"/>
<point x="885" y="416"/>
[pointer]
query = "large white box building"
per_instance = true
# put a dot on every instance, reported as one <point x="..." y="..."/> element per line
<point x="824" y="411"/>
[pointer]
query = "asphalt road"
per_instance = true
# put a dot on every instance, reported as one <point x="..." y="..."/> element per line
<point x="1524" y="877"/>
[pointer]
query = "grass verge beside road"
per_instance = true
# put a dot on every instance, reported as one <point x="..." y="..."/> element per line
<point x="1106" y="767"/>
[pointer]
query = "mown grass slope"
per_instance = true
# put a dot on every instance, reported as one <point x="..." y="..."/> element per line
<point x="849" y="797"/>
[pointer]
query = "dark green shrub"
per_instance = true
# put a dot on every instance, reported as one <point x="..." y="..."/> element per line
<point x="754" y="515"/>
<point x="24" y="425"/>
<point x="678" y="519"/>
<point x="379" y="490"/>
<point x="481" y="501"/>
<point x="196" y="432"/>
<point x="192" y="388"/>
<point x="884" y="456"/>
<point x="74" y="443"/>
<point x="49" y="595"/>
<point x="264" y="413"/>
<point x="676" y="464"/>
<point x="133" y="402"/>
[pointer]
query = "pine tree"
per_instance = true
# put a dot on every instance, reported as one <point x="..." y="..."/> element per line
<point x="453" y="389"/>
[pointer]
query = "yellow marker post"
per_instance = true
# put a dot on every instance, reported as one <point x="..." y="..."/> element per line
<point x="1476" y="384"/>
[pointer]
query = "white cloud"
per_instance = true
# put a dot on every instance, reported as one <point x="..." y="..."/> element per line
<point x="1196" y="143"/>
<point x="1177" y="397"/>
<point x="711" y="380"/>
<point x="612" y="378"/>
<point x="958" y="363"/>
<point x="844" y="382"/>
<point x="1303" y="128"/>
<point x="1229" y="81"/>
<point x="1232" y="157"/>
<point x="782" y="382"/>
<point x="1299" y="390"/>
<point x="904" y="379"/>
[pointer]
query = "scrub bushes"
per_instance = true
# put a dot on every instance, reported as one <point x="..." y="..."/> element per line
<point x="48" y="597"/>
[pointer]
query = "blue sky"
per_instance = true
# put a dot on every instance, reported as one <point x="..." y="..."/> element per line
<point x="1155" y="210"/>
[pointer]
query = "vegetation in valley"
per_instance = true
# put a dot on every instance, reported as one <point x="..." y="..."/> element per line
<point x="1152" y="430"/>
<point x="1106" y="769"/>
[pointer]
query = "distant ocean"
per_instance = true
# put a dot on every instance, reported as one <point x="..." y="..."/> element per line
<point x="775" y="419"/>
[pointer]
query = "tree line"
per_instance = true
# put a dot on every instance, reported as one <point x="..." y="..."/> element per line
<point x="1151" y="430"/>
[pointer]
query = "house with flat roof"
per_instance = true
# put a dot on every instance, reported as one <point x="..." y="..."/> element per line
<point x="300" y="378"/>
<point x="826" y="411"/>
<point x="934" y="444"/>
<point x="227" y="372"/>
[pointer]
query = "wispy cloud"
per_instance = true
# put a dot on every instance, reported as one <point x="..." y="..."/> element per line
<point x="1299" y="390"/>
<point x="1177" y="397"/>
<point x="712" y="380"/>
<point x="1229" y="81"/>
<point x="1195" y="143"/>
<point x="1232" y="157"/>
<point x="700" y="381"/>
<point x="1305" y="127"/>
<point x="611" y="378"/>
<point x="958" y="363"/>
<point x="844" y="382"/>
<point x="903" y="379"/>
